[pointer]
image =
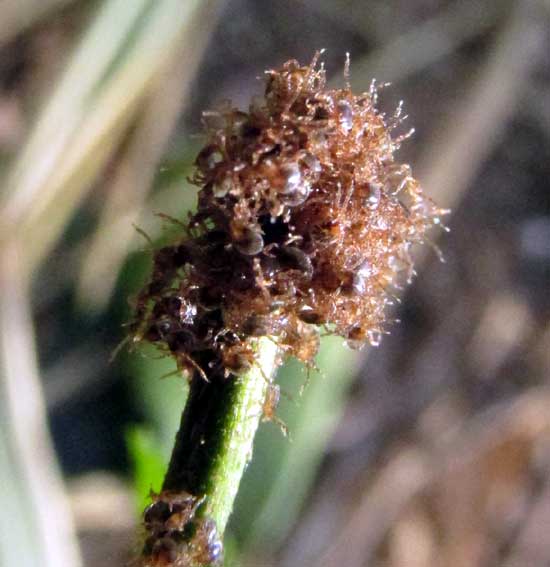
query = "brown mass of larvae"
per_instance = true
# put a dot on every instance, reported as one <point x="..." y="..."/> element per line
<point x="304" y="219"/>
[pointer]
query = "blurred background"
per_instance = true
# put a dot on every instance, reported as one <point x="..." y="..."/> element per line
<point x="431" y="450"/>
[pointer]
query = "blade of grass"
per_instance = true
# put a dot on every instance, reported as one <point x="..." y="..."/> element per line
<point x="106" y="81"/>
<point x="36" y="523"/>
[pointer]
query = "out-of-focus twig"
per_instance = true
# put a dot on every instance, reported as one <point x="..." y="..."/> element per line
<point x="35" y="518"/>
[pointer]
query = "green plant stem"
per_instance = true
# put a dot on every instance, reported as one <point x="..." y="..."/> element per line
<point x="214" y="442"/>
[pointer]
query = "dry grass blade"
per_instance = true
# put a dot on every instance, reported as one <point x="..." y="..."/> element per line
<point x="106" y="81"/>
<point x="41" y="516"/>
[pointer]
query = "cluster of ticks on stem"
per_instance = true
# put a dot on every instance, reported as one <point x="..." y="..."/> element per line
<point x="176" y="536"/>
<point x="305" y="223"/>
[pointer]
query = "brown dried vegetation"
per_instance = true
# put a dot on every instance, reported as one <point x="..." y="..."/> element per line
<point x="304" y="219"/>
